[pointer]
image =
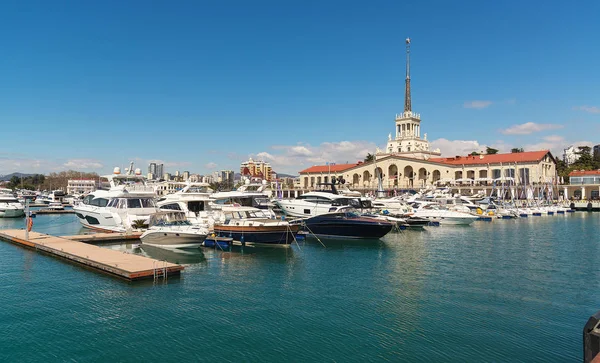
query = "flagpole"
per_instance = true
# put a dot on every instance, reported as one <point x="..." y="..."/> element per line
<point x="27" y="216"/>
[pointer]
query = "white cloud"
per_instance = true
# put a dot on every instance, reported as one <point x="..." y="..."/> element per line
<point x="554" y="138"/>
<point x="529" y="128"/>
<point x="210" y="165"/>
<point x="456" y="147"/>
<point x="556" y="144"/>
<point x="82" y="164"/>
<point x="293" y="158"/>
<point x="590" y="109"/>
<point x="10" y="165"/>
<point x="477" y="104"/>
<point x="300" y="150"/>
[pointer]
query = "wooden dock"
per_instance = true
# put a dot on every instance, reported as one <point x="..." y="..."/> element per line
<point x="104" y="237"/>
<point x="54" y="211"/>
<point x="120" y="264"/>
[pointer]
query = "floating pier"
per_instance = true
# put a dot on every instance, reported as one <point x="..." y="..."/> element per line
<point x="104" y="237"/>
<point x="54" y="211"/>
<point x="120" y="264"/>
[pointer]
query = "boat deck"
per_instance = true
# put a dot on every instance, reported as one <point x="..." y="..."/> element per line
<point x="104" y="237"/>
<point x="116" y="263"/>
<point x="54" y="211"/>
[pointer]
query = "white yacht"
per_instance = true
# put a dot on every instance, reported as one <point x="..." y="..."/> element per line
<point x="437" y="213"/>
<point x="194" y="200"/>
<point x="172" y="230"/>
<point x="9" y="205"/>
<point x="55" y="206"/>
<point x="127" y="205"/>
<point x="249" y="195"/>
<point x="394" y="205"/>
<point x="312" y="204"/>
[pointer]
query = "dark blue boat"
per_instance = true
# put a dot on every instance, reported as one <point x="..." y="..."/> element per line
<point x="346" y="225"/>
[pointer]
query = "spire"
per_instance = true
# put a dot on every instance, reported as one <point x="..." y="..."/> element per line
<point x="407" y="101"/>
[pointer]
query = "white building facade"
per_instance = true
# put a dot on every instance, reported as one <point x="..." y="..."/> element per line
<point x="81" y="186"/>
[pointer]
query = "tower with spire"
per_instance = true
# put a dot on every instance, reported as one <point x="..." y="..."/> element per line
<point x="407" y="140"/>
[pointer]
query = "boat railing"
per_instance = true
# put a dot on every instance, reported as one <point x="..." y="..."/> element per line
<point x="138" y="188"/>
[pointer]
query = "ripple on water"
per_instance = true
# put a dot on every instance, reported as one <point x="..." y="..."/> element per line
<point x="517" y="290"/>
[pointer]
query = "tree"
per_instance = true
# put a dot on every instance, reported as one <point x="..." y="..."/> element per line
<point x="474" y="153"/>
<point x="369" y="157"/>
<point x="517" y="150"/>
<point x="491" y="151"/>
<point x="585" y="157"/>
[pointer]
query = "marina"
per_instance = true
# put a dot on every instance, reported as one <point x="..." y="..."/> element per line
<point x="299" y="182"/>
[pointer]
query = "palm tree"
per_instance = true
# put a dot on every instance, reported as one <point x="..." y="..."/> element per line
<point x="369" y="157"/>
<point x="139" y="224"/>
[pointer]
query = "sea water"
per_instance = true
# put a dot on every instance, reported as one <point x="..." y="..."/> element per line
<point x="501" y="291"/>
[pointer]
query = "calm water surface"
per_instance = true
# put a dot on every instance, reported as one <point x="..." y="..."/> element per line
<point x="516" y="290"/>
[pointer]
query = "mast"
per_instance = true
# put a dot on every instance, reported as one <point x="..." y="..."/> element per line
<point x="407" y="100"/>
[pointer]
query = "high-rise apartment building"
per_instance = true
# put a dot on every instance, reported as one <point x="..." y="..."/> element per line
<point x="256" y="169"/>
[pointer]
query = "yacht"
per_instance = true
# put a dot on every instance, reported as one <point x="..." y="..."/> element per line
<point x="9" y="205"/>
<point x="172" y="230"/>
<point x="127" y="205"/>
<point x="437" y="213"/>
<point x="193" y="200"/>
<point x="55" y="206"/>
<point x="345" y="224"/>
<point x="312" y="204"/>
<point x="393" y="205"/>
<point x="250" y="225"/>
<point x="244" y="198"/>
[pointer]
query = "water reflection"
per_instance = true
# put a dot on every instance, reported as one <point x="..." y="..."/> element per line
<point x="178" y="256"/>
<point x="336" y="243"/>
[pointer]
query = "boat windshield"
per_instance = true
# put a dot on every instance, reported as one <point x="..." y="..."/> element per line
<point x="129" y="180"/>
<point x="351" y="214"/>
<point x="123" y="203"/>
<point x="247" y="214"/>
<point x="198" y="189"/>
<point x="168" y="219"/>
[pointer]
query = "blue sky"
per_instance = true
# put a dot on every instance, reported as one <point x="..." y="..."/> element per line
<point x="204" y="85"/>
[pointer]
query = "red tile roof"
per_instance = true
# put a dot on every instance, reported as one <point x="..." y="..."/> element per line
<point x="327" y="168"/>
<point x="527" y="156"/>
<point x="584" y="172"/>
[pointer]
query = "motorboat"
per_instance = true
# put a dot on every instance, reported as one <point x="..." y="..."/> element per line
<point x="345" y="225"/>
<point x="55" y="206"/>
<point x="245" y="196"/>
<point x="127" y="205"/>
<point x="249" y="225"/>
<point x="437" y="213"/>
<point x="172" y="230"/>
<point x="194" y="200"/>
<point x="10" y="207"/>
<point x="393" y="205"/>
<point x="326" y="200"/>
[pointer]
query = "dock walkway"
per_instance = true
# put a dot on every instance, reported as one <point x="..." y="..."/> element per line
<point x="124" y="265"/>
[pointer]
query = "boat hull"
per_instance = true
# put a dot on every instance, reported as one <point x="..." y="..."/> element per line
<point x="96" y="220"/>
<point x="362" y="228"/>
<point x="269" y="235"/>
<point x="167" y="239"/>
<point x="12" y="213"/>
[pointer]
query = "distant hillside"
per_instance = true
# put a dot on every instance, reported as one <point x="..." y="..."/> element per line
<point x="7" y="177"/>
